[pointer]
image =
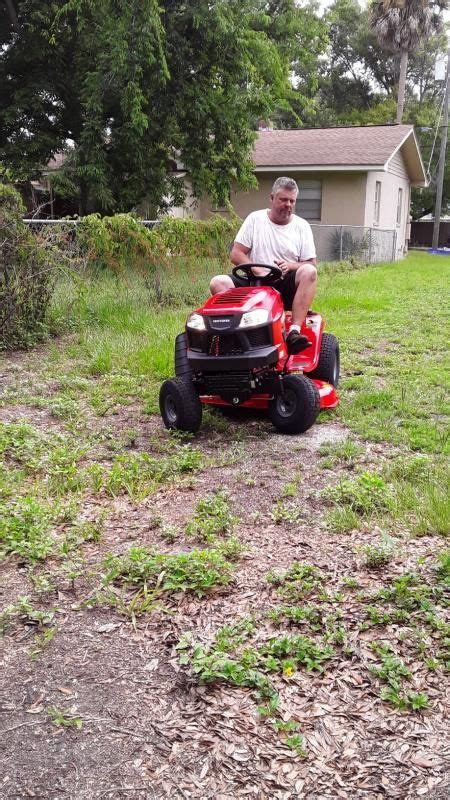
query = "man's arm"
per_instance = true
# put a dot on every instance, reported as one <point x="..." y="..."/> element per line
<point x="239" y="254"/>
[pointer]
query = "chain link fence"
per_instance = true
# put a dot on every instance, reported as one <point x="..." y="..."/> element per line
<point x="343" y="242"/>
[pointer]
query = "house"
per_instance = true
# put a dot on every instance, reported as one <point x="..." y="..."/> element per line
<point x="356" y="179"/>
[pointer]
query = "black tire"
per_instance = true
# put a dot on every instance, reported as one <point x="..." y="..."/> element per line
<point x="297" y="408"/>
<point x="181" y="360"/>
<point x="328" y="368"/>
<point x="180" y="405"/>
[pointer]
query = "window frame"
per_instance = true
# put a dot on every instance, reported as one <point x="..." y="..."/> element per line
<point x="399" y="205"/>
<point x="311" y="184"/>
<point x="377" y="203"/>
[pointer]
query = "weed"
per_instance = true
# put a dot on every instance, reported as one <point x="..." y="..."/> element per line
<point x="379" y="554"/>
<point x="41" y="640"/>
<point x="365" y="495"/>
<point x="24" y="610"/>
<point x="140" y="474"/>
<point x="342" y="520"/>
<point x="443" y="567"/>
<point x="65" y="408"/>
<point x="212" y="518"/>
<point x="25" y="528"/>
<point x="197" y="571"/>
<point x="296" y="743"/>
<point x="346" y="452"/>
<point x="59" y="717"/>
<point x="393" y="672"/>
<point x="285" y="512"/>
<point x="299" y="581"/>
<point x="298" y="615"/>
<point x="350" y="583"/>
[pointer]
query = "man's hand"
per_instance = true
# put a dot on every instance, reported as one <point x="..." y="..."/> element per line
<point x="287" y="266"/>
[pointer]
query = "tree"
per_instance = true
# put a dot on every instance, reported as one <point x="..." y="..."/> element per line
<point x="401" y="25"/>
<point x="136" y="94"/>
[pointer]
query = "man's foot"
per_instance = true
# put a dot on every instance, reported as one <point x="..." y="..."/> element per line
<point x="296" y="342"/>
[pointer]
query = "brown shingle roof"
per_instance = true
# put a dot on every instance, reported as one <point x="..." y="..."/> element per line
<point x="328" y="146"/>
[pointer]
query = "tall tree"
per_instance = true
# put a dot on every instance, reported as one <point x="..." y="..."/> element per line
<point x="401" y="25"/>
<point x="137" y="89"/>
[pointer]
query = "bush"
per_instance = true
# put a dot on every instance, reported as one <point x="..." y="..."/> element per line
<point x="26" y="276"/>
<point x="121" y="243"/>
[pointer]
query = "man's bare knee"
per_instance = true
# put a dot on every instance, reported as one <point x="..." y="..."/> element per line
<point x="220" y="283"/>
<point x="307" y="273"/>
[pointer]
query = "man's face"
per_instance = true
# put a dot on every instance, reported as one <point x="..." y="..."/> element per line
<point x="282" y="206"/>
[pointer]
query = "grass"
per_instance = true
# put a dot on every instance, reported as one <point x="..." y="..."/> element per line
<point x="118" y="348"/>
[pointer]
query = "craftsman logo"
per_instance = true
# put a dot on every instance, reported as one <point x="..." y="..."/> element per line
<point x="221" y="321"/>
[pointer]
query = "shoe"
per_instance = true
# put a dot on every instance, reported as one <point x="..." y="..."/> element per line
<point x="296" y="342"/>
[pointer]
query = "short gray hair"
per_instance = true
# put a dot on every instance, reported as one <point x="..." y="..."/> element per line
<point x="284" y="183"/>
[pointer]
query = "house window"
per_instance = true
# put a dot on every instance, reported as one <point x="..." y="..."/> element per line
<point x="309" y="200"/>
<point x="399" y="206"/>
<point x="376" y="211"/>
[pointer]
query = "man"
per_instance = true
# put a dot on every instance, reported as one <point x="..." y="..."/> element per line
<point x="277" y="236"/>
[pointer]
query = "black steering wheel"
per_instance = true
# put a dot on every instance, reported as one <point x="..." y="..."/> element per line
<point x="244" y="273"/>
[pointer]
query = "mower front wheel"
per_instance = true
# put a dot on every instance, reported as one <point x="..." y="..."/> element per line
<point x="296" y="408"/>
<point x="180" y="405"/>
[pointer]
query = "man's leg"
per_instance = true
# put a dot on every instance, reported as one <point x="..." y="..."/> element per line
<point x="306" y="285"/>
<point x="305" y="290"/>
<point x="220" y="283"/>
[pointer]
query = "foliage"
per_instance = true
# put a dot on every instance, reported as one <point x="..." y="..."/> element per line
<point x="121" y="243"/>
<point x="366" y="494"/>
<point x="212" y="518"/>
<point x="147" y="88"/>
<point x="198" y="571"/>
<point x="26" y="276"/>
<point x="401" y="27"/>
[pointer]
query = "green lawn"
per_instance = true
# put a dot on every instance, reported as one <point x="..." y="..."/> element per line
<point x="329" y="547"/>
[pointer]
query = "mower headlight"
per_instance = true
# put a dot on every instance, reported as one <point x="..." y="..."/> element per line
<point x="196" y="322"/>
<point x="251" y="318"/>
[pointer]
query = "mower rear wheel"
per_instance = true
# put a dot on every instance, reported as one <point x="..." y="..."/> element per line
<point x="328" y="368"/>
<point x="180" y="405"/>
<point x="181" y="360"/>
<point x="296" y="409"/>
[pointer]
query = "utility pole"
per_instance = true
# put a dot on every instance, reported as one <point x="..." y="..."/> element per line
<point x="441" y="170"/>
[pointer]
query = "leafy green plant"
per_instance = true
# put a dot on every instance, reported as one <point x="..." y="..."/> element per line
<point x="394" y="672"/>
<point x="299" y="581"/>
<point x="284" y="511"/>
<point x="365" y="495"/>
<point x="26" y="613"/>
<point x="198" y="571"/>
<point x="27" y="275"/>
<point x="378" y="554"/>
<point x="61" y="719"/>
<point x="25" y="528"/>
<point x="212" y="518"/>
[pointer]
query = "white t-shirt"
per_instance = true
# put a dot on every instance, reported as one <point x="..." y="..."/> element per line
<point x="270" y="242"/>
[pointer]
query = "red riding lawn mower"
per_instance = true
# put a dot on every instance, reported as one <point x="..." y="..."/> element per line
<point x="234" y="354"/>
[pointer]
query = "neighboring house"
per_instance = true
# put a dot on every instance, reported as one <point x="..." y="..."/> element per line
<point x="349" y="176"/>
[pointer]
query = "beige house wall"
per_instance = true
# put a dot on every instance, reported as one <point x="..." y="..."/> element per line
<point x="391" y="181"/>
<point x="343" y="196"/>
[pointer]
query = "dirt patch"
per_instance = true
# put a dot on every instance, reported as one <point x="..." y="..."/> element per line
<point x="104" y="709"/>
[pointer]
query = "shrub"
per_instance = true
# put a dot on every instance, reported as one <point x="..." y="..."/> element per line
<point x="26" y="276"/>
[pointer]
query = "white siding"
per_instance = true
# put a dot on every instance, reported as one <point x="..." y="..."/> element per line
<point x="396" y="166"/>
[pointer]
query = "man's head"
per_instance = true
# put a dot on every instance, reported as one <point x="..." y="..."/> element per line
<point x="282" y="198"/>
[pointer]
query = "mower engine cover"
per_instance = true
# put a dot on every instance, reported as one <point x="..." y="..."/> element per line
<point x="240" y="329"/>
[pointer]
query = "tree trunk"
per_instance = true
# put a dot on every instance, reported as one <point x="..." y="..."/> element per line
<point x="12" y="15"/>
<point x="401" y="86"/>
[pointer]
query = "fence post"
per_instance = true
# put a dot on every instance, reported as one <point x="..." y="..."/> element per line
<point x="340" y="246"/>
<point x="394" y="246"/>
<point x="370" y="246"/>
